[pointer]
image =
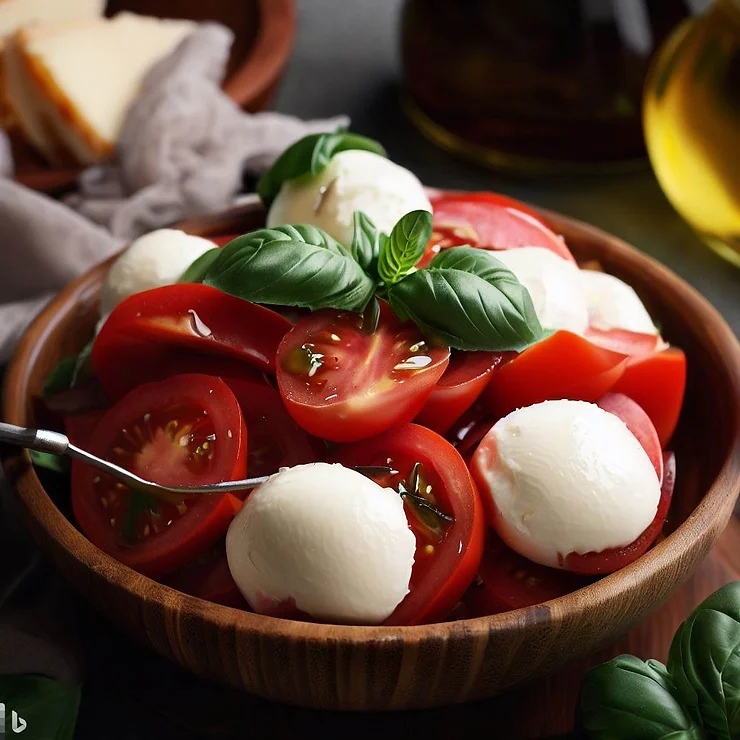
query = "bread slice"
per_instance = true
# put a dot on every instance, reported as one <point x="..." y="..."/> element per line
<point x="89" y="73"/>
<point x="15" y="14"/>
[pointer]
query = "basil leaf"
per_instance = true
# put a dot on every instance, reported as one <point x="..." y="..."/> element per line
<point x="310" y="156"/>
<point x="199" y="268"/>
<point x="69" y="372"/>
<point x="367" y="242"/>
<point x="46" y="460"/>
<point x="626" y="699"/>
<point x="704" y="662"/>
<point x="469" y="300"/>
<point x="405" y="246"/>
<point x="291" y="266"/>
<point x="46" y="708"/>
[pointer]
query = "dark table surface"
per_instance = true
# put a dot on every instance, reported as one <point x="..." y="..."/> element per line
<point x="345" y="61"/>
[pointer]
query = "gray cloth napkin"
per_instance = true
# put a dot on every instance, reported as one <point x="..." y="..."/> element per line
<point x="183" y="150"/>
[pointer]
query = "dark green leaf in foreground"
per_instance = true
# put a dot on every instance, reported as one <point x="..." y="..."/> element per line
<point x="199" y="268"/>
<point x="69" y="372"/>
<point x="46" y="460"/>
<point x="367" y="242"/>
<point x="405" y="246"/>
<point x="291" y="266"/>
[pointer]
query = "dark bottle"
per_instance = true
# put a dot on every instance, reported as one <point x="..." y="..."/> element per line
<point x="529" y="85"/>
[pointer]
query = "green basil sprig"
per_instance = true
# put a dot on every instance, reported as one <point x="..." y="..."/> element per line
<point x="367" y="243"/>
<point x="405" y="246"/>
<point x="696" y="697"/>
<point x="470" y="300"/>
<point x="199" y="269"/>
<point x="310" y="156"/>
<point x="69" y="372"/>
<point x="291" y="266"/>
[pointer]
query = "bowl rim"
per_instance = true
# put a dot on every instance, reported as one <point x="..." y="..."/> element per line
<point x="718" y="498"/>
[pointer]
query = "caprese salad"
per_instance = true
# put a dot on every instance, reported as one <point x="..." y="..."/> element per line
<point x="519" y="408"/>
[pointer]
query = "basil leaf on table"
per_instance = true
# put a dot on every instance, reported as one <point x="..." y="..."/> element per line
<point x="45" y="707"/>
<point x="469" y="300"/>
<point x="291" y="266"/>
<point x="199" y="268"/>
<point x="69" y="372"/>
<point x="405" y="246"/>
<point x="310" y="156"/>
<point x="704" y="662"/>
<point x="367" y="242"/>
<point x="626" y="699"/>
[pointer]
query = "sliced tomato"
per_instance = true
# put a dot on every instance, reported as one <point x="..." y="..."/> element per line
<point x="563" y="366"/>
<point x="187" y="430"/>
<point x="507" y="580"/>
<point x="638" y="422"/>
<point x="208" y="577"/>
<point x="630" y="343"/>
<point x="658" y="384"/>
<point x="608" y="561"/>
<point x="79" y="427"/>
<point x="448" y="547"/>
<point x="275" y="440"/>
<point x="459" y="387"/>
<point x="343" y="383"/>
<point x="489" y="221"/>
<point x="147" y="328"/>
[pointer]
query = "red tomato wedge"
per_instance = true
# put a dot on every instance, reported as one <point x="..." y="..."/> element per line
<point x="607" y="561"/>
<point x="626" y="342"/>
<point x="187" y="430"/>
<point x="343" y="383"/>
<point x="563" y="366"/>
<point x="489" y="221"/>
<point x="79" y="427"/>
<point x="223" y="240"/>
<point x="638" y="422"/>
<point x="457" y="390"/>
<point x="507" y="581"/>
<point x="208" y="577"/>
<point x="658" y="384"/>
<point x="448" y="550"/>
<point x="146" y="328"/>
<point x="275" y="440"/>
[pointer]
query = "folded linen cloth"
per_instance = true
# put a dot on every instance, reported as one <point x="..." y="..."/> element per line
<point x="183" y="151"/>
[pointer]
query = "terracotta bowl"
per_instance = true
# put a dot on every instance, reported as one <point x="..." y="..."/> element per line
<point x="263" y="37"/>
<point x="402" y="667"/>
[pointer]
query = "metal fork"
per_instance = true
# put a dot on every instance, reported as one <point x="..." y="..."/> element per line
<point x="44" y="440"/>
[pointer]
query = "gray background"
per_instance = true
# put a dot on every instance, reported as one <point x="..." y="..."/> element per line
<point x="346" y="60"/>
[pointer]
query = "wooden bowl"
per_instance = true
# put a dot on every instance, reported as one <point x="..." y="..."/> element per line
<point x="263" y="37"/>
<point x="342" y="667"/>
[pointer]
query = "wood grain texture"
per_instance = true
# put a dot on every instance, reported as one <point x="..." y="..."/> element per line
<point x="263" y="37"/>
<point x="382" y="668"/>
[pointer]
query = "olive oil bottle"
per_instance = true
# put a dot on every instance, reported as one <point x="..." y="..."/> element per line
<point x="692" y="124"/>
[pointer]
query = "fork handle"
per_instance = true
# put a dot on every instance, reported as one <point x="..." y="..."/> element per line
<point x="42" y="440"/>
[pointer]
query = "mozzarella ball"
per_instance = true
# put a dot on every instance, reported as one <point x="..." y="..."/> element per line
<point x="554" y="284"/>
<point x="612" y="304"/>
<point x="327" y="539"/>
<point x="151" y="261"/>
<point x="353" y="180"/>
<point x="567" y="477"/>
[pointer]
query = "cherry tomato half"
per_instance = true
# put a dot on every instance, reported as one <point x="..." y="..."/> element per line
<point x="625" y="342"/>
<point x="448" y="547"/>
<point x="563" y="366"/>
<point x="187" y="430"/>
<point x="658" y="384"/>
<point x="507" y="580"/>
<point x="489" y="221"/>
<point x="638" y="422"/>
<point x="343" y="383"/>
<point x="457" y="390"/>
<point x="146" y="328"/>
<point x="607" y="561"/>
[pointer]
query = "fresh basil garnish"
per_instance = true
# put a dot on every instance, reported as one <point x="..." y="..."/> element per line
<point x="367" y="242"/>
<point x="405" y="246"/>
<point x="469" y="300"/>
<point x="291" y="266"/>
<point x="199" y="269"/>
<point x="69" y="372"/>
<point x="310" y="156"/>
<point x="46" y="460"/>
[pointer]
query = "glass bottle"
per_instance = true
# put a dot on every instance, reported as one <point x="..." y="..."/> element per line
<point x="531" y="85"/>
<point x="692" y="124"/>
